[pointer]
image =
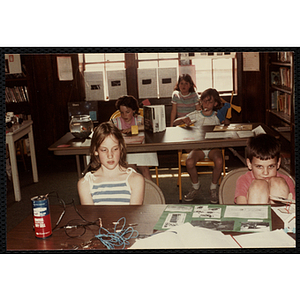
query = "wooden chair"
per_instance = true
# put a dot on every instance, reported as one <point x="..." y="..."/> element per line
<point x="153" y="194"/>
<point x="227" y="187"/>
<point x="201" y="163"/>
<point x="141" y="111"/>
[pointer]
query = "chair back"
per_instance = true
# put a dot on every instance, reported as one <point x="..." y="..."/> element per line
<point x="118" y="114"/>
<point x="153" y="194"/>
<point x="228" y="184"/>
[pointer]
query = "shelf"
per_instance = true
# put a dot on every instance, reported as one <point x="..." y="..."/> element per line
<point x="279" y="63"/>
<point x="282" y="88"/>
<point x="281" y="115"/>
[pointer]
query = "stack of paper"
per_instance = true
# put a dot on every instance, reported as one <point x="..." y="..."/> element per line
<point x="186" y="236"/>
<point x="271" y="239"/>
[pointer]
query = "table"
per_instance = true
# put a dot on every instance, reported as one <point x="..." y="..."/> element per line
<point x="173" y="138"/>
<point x="22" y="237"/>
<point x="16" y="132"/>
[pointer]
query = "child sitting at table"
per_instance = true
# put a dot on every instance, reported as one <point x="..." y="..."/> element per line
<point x="110" y="181"/>
<point x="129" y="110"/>
<point x="210" y="102"/>
<point x="262" y="180"/>
<point x="184" y="98"/>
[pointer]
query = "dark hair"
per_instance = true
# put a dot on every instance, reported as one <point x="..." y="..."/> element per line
<point x="263" y="146"/>
<point x="101" y="132"/>
<point x="211" y="93"/>
<point x="128" y="101"/>
<point x="187" y="78"/>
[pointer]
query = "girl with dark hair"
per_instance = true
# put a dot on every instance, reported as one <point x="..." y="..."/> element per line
<point x="184" y="98"/>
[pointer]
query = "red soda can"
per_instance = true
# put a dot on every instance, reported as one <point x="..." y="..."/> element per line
<point x="41" y="216"/>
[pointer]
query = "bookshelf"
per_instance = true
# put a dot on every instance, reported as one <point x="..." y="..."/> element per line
<point x="280" y="103"/>
<point x="16" y="93"/>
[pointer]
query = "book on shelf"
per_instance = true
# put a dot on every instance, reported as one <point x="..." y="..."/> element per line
<point x="285" y="77"/>
<point x="16" y="94"/>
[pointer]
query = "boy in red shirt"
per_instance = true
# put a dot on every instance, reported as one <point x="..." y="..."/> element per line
<point x="262" y="180"/>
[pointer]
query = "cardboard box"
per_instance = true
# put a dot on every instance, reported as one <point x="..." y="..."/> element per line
<point x="155" y="118"/>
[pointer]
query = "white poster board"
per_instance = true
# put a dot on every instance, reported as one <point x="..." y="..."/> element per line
<point x="167" y="78"/>
<point x="147" y="83"/>
<point x="94" y="89"/>
<point x="116" y="84"/>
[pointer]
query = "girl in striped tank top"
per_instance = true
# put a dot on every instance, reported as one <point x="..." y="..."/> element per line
<point x="110" y="181"/>
<point x="184" y="98"/>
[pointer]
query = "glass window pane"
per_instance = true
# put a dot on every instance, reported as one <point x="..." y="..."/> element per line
<point x="115" y="66"/>
<point x="203" y="74"/>
<point x="148" y="64"/>
<point x="114" y="56"/>
<point x="168" y="63"/>
<point x="94" y="67"/>
<point x="94" y="57"/>
<point x="223" y="74"/>
<point x="168" y="55"/>
<point x="147" y="55"/>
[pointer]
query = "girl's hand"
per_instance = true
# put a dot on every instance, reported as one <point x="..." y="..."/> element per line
<point x="128" y="130"/>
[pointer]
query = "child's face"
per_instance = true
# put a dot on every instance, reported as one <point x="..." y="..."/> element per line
<point x="208" y="104"/>
<point x="126" y="113"/>
<point x="184" y="87"/>
<point x="109" y="152"/>
<point x="263" y="169"/>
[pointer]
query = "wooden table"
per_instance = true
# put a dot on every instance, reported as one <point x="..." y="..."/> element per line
<point x="173" y="138"/>
<point x="13" y="134"/>
<point x="143" y="218"/>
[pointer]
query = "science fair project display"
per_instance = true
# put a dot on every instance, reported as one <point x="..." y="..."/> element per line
<point x="205" y="226"/>
<point x="236" y="218"/>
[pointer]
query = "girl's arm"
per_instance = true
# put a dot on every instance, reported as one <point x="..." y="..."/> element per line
<point x="137" y="185"/>
<point x="173" y="114"/>
<point x="183" y="121"/>
<point x="84" y="192"/>
<point x="241" y="200"/>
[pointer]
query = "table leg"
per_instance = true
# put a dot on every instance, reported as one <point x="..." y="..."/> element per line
<point x="78" y="166"/>
<point x="14" y="168"/>
<point x="32" y="155"/>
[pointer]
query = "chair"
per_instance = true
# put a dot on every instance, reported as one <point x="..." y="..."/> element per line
<point x="153" y="194"/>
<point x="141" y="111"/>
<point x="201" y="163"/>
<point x="118" y="114"/>
<point x="227" y="187"/>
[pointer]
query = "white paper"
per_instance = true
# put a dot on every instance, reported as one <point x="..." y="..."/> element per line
<point x="180" y="208"/>
<point x="167" y="78"/>
<point x="246" y="212"/>
<point x="174" y="219"/>
<point x="147" y="83"/>
<point x="64" y="68"/>
<point x="203" y="211"/>
<point x="94" y="88"/>
<point x="271" y="239"/>
<point x="116" y="84"/>
<point x="245" y="134"/>
<point x="219" y="135"/>
<point x="186" y="236"/>
<point x="258" y="130"/>
<point x="251" y="61"/>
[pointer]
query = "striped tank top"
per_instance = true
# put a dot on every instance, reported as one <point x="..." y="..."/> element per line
<point x="110" y="192"/>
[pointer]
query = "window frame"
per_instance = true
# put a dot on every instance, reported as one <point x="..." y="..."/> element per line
<point x="131" y="64"/>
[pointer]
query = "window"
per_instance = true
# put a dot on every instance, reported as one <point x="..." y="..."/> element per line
<point x="104" y="75"/>
<point x="157" y="73"/>
<point x="213" y="70"/>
